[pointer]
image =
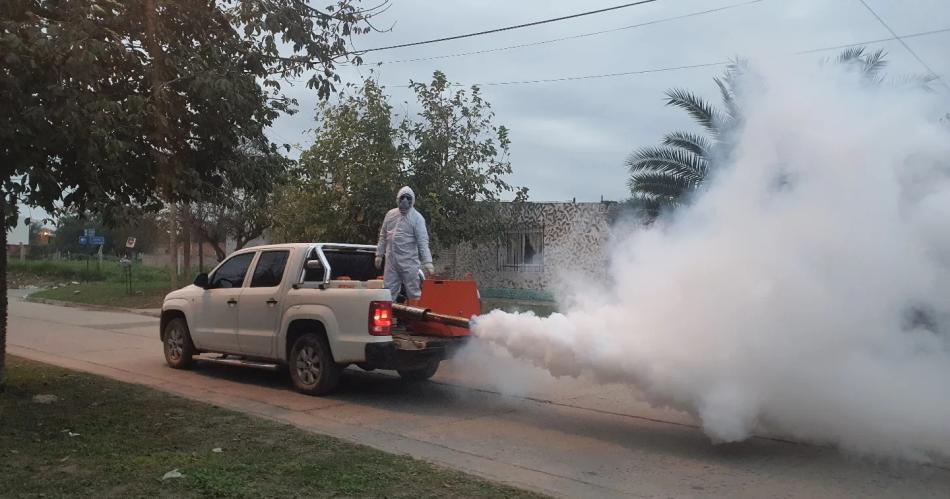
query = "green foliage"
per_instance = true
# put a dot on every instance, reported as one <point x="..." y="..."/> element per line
<point x="346" y="181"/>
<point x="456" y="159"/>
<point x="451" y="153"/>
<point x="242" y="205"/>
<point x="110" y="105"/>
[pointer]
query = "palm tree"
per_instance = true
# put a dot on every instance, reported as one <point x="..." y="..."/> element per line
<point x="664" y="176"/>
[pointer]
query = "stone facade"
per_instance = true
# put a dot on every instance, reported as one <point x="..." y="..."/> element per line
<point x="547" y="242"/>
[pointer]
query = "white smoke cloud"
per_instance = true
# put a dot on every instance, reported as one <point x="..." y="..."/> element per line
<point x="782" y="300"/>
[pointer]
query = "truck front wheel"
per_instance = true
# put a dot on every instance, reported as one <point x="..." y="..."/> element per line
<point x="312" y="368"/>
<point x="179" y="351"/>
<point x="421" y="374"/>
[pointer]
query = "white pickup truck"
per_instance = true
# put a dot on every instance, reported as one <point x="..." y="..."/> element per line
<point x="310" y="308"/>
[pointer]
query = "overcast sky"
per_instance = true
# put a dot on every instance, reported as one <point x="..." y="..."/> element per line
<point x="569" y="139"/>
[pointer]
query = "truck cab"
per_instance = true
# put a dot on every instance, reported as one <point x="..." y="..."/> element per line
<point x="310" y="308"/>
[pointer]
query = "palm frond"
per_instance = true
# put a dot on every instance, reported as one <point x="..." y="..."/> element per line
<point x="728" y="99"/>
<point x="694" y="143"/>
<point x="873" y="64"/>
<point x="849" y="55"/>
<point x="659" y="184"/>
<point x="918" y="81"/>
<point x="654" y="201"/>
<point x="700" y="110"/>
<point x="667" y="160"/>
<point x="868" y="64"/>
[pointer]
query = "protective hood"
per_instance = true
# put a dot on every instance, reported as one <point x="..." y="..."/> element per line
<point x="406" y="190"/>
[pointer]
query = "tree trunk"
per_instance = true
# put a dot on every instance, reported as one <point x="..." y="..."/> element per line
<point x="3" y="295"/>
<point x="173" y="244"/>
<point x="186" y="237"/>
<point x="201" y="255"/>
<point x="160" y="136"/>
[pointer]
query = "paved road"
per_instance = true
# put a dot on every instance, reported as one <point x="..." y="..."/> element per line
<point x="562" y="437"/>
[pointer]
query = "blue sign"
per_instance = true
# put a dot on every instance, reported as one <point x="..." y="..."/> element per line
<point x="97" y="240"/>
<point x="90" y="232"/>
<point x="83" y="240"/>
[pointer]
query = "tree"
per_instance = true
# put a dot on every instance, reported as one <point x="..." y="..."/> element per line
<point x="664" y="176"/>
<point x="347" y="180"/>
<point x="239" y="210"/>
<point x="456" y="159"/>
<point x="114" y="106"/>
<point x="450" y="153"/>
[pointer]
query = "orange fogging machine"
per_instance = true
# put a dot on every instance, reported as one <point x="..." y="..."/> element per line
<point x="444" y="310"/>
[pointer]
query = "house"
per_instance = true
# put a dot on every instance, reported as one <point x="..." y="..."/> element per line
<point x="545" y="243"/>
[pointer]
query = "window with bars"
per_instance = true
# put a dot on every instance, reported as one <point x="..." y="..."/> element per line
<point x="522" y="250"/>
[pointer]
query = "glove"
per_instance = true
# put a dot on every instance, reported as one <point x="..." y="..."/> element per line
<point x="429" y="268"/>
<point x="378" y="262"/>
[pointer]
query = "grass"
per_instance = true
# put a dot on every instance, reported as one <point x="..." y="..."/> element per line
<point x="76" y="270"/>
<point x="130" y="436"/>
<point x="99" y="285"/>
<point x="115" y="294"/>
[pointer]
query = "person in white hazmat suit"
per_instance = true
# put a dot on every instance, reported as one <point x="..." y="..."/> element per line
<point x="404" y="241"/>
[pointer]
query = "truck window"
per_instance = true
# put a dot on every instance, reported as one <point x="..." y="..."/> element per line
<point x="270" y="269"/>
<point x="352" y="265"/>
<point x="231" y="273"/>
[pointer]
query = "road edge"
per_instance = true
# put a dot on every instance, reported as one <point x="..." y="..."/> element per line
<point x="90" y="306"/>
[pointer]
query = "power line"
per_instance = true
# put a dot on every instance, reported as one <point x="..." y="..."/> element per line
<point x="606" y="75"/>
<point x="506" y="28"/>
<point x="689" y="66"/>
<point x="879" y="40"/>
<point x="573" y="37"/>
<point x="901" y="40"/>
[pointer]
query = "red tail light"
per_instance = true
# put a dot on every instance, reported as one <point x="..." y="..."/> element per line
<point x="380" y="318"/>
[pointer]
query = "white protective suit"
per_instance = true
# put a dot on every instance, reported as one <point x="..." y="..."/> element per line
<point x="404" y="241"/>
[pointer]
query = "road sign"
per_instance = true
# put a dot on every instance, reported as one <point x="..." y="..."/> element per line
<point x="130" y="243"/>
<point x="83" y="240"/>
<point x="90" y="232"/>
<point x="97" y="240"/>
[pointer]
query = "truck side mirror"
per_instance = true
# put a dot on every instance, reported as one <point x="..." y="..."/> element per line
<point x="202" y="281"/>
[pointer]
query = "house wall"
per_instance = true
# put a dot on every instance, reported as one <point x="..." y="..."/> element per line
<point x="574" y="235"/>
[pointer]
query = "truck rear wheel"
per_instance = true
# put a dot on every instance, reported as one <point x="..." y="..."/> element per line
<point x="312" y="368"/>
<point x="421" y="374"/>
<point x="179" y="351"/>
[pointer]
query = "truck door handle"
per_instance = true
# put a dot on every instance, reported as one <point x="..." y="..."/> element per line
<point x="272" y="302"/>
<point x="232" y="301"/>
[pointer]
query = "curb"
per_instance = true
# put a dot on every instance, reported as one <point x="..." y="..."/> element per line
<point x="88" y="306"/>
